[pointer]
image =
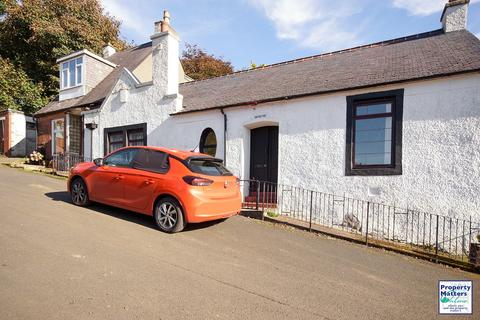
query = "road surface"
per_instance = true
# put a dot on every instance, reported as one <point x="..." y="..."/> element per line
<point x="58" y="261"/>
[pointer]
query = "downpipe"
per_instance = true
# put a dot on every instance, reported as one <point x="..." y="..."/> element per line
<point x="224" y="137"/>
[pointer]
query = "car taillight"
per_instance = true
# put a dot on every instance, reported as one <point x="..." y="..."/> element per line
<point x="197" y="181"/>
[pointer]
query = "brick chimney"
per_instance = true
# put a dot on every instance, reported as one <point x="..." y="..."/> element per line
<point x="454" y="15"/>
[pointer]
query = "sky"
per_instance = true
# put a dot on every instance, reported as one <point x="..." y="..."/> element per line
<point x="271" y="31"/>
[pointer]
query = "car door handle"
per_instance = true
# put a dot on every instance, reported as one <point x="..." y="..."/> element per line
<point x="149" y="181"/>
<point x="119" y="177"/>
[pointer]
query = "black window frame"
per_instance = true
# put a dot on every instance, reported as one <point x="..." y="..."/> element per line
<point x="124" y="130"/>
<point x="129" y="131"/>
<point x="109" y="143"/>
<point x="395" y="168"/>
<point x="203" y="140"/>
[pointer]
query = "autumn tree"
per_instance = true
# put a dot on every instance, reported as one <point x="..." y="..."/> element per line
<point x="17" y="91"/>
<point x="199" y="65"/>
<point x="34" y="33"/>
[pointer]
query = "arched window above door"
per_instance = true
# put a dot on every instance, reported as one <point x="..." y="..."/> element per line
<point x="208" y="142"/>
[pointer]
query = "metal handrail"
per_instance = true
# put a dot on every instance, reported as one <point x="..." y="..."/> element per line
<point x="373" y="220"/>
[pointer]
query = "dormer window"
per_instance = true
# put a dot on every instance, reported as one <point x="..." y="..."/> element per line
<point x="71" y="74"/>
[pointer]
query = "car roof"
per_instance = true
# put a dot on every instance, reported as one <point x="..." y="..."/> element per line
<point x="182" y="154"/>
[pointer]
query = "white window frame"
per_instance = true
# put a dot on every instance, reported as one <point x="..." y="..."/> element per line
<point x="65" y="72"/>
<point x="54" y="147"/>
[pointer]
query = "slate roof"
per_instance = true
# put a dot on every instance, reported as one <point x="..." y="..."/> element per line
<point x="129" y="59"/>
<point x="421" y="56"/>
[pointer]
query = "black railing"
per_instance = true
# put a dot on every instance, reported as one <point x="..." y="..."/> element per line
<point x="63" y="162"/>
<point x="371" y="221"/>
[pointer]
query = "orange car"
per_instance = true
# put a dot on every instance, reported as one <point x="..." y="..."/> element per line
<point x="176" y="187"/>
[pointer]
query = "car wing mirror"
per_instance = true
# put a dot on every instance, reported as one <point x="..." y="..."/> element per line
<point x="98" y="162"/>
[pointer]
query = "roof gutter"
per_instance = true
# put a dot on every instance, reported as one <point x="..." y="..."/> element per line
<point x="92" y="106"/>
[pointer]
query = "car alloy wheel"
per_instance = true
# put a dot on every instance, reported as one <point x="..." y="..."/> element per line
<point x="168" y="215"/>
<point x="79" y="193"/>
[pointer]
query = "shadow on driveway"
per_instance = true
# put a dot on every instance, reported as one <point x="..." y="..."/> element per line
<point x="130" y="216"/>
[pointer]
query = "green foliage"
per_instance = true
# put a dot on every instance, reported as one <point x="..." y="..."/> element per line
<point x="34" y="33"/>
<point x="199" y="65"/>
<point x="253" y="65"/>
<point x="17" y="91"/>
<point x="2" y="7"/>
<point x="272" y="214"/>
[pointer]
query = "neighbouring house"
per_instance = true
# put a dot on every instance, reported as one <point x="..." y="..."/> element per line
<point x="18" y="133"/>
<point x="86" y="79"/>
<point x="397" y="120"/>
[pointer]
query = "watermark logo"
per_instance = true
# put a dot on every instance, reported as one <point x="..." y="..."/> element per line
<point x="455" y="297"/>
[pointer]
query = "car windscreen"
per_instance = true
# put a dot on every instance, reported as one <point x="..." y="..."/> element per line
<point x="209" y="167"/>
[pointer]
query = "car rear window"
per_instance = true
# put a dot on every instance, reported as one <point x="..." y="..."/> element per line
<point x="209" y="167"/>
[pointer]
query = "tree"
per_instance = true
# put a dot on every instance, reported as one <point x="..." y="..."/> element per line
<point x="17" y="91"/>
<point x="34" y="33"/>
<point x="253" y="65"/>
<point x="199" y="65"/>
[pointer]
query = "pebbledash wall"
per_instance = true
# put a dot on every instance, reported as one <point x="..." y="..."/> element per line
<point x="150" y="102"/>
<point x="440" y="152"/>
<point x="441" y="138"/>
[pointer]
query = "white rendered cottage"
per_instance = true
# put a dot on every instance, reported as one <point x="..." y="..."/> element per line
<point x="397" y="120"/>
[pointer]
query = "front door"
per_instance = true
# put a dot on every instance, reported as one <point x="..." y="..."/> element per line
<point x="264" y="154"/>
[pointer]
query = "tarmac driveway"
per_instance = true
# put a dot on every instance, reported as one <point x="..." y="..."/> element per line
<point x="58" y="261"/>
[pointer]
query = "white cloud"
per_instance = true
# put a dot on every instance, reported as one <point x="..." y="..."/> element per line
<point x="318" y="24"/>
<point x="125" y="12"/>
<point x="321" y="36"/>
<point x="421" y="7"/>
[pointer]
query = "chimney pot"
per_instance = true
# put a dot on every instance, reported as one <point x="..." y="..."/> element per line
<point x="165" y="24"/>
<point x="166" y="16"/>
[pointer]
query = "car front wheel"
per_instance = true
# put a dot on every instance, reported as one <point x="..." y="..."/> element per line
<point x="169" y="216"/>
<point x="79" y="193"/>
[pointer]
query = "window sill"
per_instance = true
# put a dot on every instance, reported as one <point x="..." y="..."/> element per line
<point x="386" y="171"/>
<point x="68" y="88"/>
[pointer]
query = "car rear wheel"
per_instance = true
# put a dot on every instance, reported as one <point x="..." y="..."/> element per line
<point x="79" y="193"/>
<point x="169" y="216"/>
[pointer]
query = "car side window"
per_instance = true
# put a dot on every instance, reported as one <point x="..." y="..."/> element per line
<point x="151" y="160"/>
<point x="122" y="158"/>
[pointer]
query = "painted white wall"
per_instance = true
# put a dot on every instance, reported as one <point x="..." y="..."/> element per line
<point x="151" y="103"/>
<point x="18" y="134"/>
<point x="72" y="92"/>
<point x="441" y="135"/>
<point x="441" y="139"/>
